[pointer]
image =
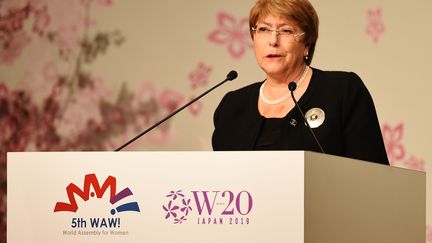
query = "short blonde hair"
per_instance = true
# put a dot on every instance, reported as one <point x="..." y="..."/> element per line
<point x="299" y="11"/>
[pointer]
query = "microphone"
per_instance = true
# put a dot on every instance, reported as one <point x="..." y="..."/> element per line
<point x="293" y="86"/>
<point x="230" y="76"/>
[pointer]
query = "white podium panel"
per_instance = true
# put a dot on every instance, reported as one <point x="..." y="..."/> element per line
<point x="211" y="197"/>
<point x="155" y="197"/>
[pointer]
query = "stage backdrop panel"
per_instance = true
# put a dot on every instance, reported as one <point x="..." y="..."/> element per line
<point x="89" y="75"/>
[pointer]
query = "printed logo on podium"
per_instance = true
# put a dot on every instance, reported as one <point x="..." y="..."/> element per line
<point x="91" y="181"/>
<point x="208" y="207"/>
<point x="92" y="188"/>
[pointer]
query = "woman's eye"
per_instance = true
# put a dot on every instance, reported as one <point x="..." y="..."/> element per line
<point x="263" y="30"/>
<point x="286" y="31"/>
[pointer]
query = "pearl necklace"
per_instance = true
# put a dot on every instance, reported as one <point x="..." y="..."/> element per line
<point x="283" y="98"/>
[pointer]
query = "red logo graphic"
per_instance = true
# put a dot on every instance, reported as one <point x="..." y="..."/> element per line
<point x="91" y="181"/>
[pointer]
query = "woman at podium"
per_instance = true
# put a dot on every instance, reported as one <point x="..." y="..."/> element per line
<point x="263" y="116"/>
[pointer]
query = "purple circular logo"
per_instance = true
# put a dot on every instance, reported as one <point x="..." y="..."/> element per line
<point x="177" y="207"/>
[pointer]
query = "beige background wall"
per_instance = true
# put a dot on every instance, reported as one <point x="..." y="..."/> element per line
<point x="163" y="42"/>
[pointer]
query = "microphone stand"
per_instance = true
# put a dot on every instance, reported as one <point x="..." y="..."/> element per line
<point x="231" y="76"/>
<point x="293" y="86"/>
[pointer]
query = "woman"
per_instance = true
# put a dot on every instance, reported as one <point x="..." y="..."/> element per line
<point x="262" y="116"/>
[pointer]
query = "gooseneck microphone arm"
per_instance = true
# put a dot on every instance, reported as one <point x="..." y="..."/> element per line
<point x="230" y="76"/>
<point x="293" y="86"/>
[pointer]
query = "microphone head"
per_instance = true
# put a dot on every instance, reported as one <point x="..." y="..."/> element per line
<point x="232" y="75"/>
<point x="292" y="86"/>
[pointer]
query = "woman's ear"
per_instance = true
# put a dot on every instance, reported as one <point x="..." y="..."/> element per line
<point x="306" y="52"/>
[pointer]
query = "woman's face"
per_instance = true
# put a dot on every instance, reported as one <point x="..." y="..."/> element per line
<point x="280" y="53"/>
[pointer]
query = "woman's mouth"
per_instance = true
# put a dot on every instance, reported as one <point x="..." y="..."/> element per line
<point x="274" y="56"/>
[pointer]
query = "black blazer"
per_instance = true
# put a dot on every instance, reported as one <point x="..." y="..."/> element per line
<point x="350" y="129"/>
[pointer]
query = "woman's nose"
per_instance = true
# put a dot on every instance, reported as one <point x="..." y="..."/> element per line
<point x="274" y="39"/>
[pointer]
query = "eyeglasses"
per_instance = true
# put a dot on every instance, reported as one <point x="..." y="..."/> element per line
<point x="263" y="32"/>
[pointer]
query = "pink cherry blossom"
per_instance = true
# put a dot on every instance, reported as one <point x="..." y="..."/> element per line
<point x="144" y="104"/>
<point x="196" y="107"/>
<point x="232" y="33"/>
<point x="375" y="27"/>
<point x="17" y="120"/>
<point x="170" y="100"/>
<point x="113" y="143"/>
<point x="39" y="79"/>
<point x="83" y="108"/>
<point x="11" y="7"/>
<point x="67" y="20"/>
<point x="393" y="142"/>
<point x="11" y="49"/>
<point x="146" y="92"/>
<point x="414" y="163"/>
<point x="150" y="106"/>
<point x="12" y="19"/>
<point x="162" y="135"/>
<point x="42" y="20"/>
<point x="50" y="72"/>
<point x="199" y="77"/>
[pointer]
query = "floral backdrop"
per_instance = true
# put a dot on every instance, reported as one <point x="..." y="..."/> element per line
<point x="90" y="74"/>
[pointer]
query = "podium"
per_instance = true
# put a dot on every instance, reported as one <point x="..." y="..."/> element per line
<point x="275" y="196"/>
